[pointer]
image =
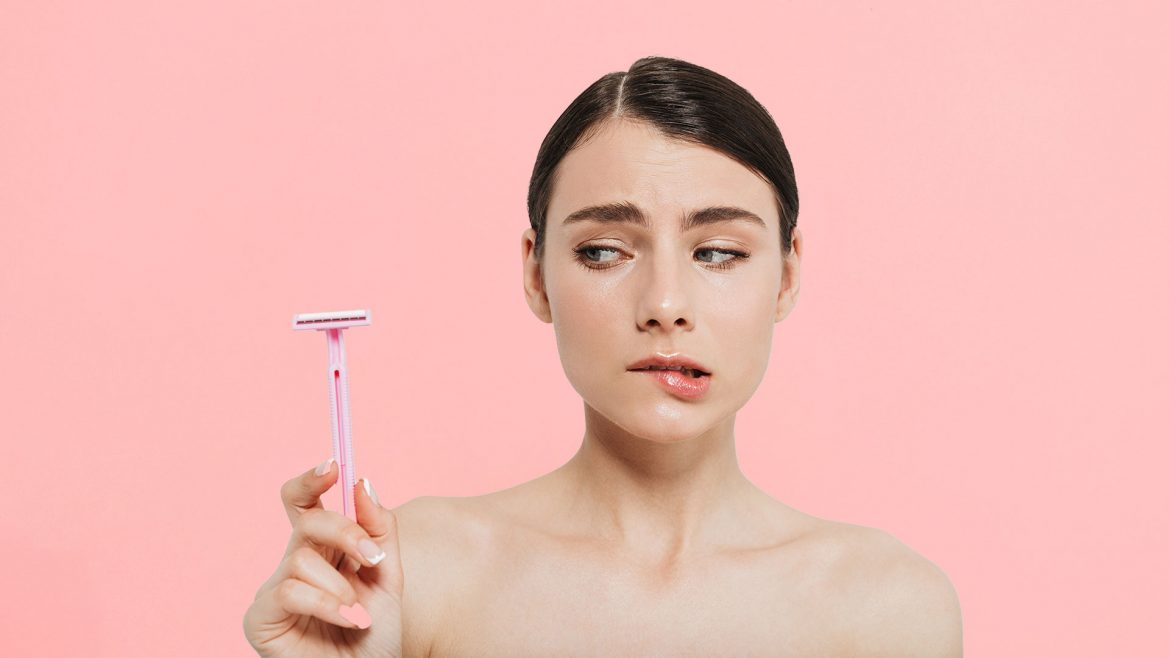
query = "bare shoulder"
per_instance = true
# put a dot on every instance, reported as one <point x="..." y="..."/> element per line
<point x="435" y="521"/>
<point x="899" y="602"/>
<point x="434" y="537"/>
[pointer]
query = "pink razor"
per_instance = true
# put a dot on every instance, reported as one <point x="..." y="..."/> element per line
<point x="332" y="324"/>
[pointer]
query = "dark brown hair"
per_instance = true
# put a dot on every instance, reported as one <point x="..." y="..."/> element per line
<point x="685" y="101"/>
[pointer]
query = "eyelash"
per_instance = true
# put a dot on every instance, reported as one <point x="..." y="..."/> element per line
<point x="579" y="256"/>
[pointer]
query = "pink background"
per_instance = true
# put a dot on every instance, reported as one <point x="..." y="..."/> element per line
<point x="977" y="363"/>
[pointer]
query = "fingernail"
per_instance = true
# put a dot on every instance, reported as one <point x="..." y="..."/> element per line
<point x="372" y="551"/>
<point x="324" y="467"/>
<point x="356" y="614"/>
<point x="370" y="491"/>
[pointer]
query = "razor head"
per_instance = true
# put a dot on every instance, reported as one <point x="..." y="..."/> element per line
<point x="332" y="319"/>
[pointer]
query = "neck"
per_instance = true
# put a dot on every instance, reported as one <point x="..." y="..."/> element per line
<point x="658" y="499"/>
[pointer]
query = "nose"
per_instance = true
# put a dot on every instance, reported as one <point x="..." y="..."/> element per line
<point x="664" y="303"/>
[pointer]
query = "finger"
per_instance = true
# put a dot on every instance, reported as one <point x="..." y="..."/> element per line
<point x="296" y="597"/>
<point x="301" y="560"/>
<point x="306" y="564"/>
<point x="382" y="526"/>
<point x="304" y="491"/>
<point x="323" y="528"/>
<point x="349" y="564"/>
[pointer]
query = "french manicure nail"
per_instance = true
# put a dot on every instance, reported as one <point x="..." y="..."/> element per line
<point x="370" y="491"/>
<point x="356" y="614"/>
<point x="324" y="467"/>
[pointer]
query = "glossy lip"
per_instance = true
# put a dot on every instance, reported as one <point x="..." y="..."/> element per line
<point x="676" y="383"/>
<point x="676" y="359"/>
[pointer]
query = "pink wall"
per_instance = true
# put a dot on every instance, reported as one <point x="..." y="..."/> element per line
<point x="977" y="363"/>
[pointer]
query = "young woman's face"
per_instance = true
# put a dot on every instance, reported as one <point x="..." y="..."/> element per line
<point x="617" y="292"/>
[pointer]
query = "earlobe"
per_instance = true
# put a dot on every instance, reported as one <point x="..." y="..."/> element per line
<point x="784" y="301"/>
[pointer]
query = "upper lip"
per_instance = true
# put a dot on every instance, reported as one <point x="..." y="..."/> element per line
<point x="676" y="360"/>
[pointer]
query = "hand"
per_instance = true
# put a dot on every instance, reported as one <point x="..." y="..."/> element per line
<point x="296" y="611"/>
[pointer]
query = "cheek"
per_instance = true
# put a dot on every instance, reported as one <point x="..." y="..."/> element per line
<point x="586" y="323"/>
<point x="742" y="326"/>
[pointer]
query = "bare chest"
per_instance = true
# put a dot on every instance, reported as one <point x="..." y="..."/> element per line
<point x="575" y="604"/>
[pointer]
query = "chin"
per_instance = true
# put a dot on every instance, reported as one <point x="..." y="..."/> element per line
<point x="664" y="421"/>
<point x="650" y="415"/>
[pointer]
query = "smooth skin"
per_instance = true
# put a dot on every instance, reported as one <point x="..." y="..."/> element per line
<point x="650" y="541"/>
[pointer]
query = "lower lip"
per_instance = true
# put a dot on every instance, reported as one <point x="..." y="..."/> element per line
<point x="679" y="384"/>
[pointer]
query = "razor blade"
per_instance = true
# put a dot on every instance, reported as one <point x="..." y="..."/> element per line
<point x="332" y="319"/>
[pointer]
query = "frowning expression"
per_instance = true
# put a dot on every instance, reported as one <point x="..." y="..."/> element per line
<point x="652" y="246"/>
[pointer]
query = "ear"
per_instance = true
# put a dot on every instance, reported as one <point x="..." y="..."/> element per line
<point x="790" y="282"/>
<point x="534" y="291"/>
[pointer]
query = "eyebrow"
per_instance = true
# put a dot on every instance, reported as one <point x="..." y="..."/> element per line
<point x="629" y="213"/>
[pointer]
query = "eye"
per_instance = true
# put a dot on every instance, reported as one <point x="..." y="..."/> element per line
<point x="726" y="263"/>
<point x="586" y="253"/>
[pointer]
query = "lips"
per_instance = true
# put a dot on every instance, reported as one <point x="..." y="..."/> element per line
<point x="679" y="362"/>
<point x="689" y="372"/>
<point x="679" y="384"/>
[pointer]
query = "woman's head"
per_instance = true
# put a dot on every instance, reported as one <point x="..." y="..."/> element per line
<point x="663" y="220"/>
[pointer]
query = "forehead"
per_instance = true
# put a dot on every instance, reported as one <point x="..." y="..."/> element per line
<point x="633" y="161"/>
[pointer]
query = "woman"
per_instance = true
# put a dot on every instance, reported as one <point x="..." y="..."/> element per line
<point x="663" y="249"/>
